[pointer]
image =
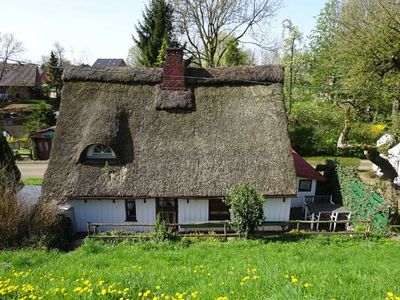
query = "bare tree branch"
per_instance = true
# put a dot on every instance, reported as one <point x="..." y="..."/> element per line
<point x="9" y="48"/>
<point x="208" y="24"/>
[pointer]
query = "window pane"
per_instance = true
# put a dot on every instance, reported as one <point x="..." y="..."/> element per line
<point x="305" y="185"/>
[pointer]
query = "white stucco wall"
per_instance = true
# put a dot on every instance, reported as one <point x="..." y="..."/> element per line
<point x="109" y="211"/>
<point x="276" y="210"/>
<point x="192" y="211"/>
<point x="299" y="200"/>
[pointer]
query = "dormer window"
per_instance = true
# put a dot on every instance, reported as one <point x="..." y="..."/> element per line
<point x="99" y="153"/>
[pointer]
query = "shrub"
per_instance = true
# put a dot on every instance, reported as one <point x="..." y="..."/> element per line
<point x="22" y="223"/>
<point x="14" y="215"/>
<point x="246" y="204"/>
<point x="162" y="232"/>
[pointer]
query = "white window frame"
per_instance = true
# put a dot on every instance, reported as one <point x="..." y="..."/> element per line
<point x="100" y="151"/>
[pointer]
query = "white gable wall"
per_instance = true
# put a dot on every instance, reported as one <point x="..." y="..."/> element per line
<point x="299" y="200"/>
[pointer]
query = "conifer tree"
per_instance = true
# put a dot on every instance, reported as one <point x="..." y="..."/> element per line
<point x="154" y="33"/>
<point x="55" y="73"/>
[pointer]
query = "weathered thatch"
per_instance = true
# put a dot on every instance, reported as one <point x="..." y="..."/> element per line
<point x="234" y="132"/>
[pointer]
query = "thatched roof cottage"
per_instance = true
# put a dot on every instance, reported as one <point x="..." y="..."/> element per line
<point x="134" y="143"/>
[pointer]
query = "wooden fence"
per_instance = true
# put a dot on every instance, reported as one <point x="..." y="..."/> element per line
<point x="224" y="227"/>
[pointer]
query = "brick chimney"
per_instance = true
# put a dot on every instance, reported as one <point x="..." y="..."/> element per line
<point x="174" y="71"/>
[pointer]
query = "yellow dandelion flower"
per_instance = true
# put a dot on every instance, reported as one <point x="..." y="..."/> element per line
<point x="307" y="285"/>
<point x="140" y="294"/>
<point x="294" y="280"/>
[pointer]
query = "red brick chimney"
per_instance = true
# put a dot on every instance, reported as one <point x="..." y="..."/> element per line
<point x="174" y="70"/>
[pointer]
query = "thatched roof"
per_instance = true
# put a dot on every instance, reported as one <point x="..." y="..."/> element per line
<point x="235" y="131"/>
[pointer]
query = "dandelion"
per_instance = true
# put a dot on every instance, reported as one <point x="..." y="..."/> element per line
<point x="307" y="285"/>
<point x="390" y="294"/>
<point x="293" y="279"/>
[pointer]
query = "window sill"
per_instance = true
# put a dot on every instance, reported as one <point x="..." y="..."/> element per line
<point x="131" y="220"/>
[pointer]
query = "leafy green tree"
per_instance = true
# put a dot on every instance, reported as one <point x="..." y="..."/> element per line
<point x="41" y="117"/>
<point x="54" y="69"/>
<point x="154" y="33"/>
<point x="234" y="56"/>
<point x="246" y="204"/>
<point x="8" y="168"/>
<point x="323" y="46"/>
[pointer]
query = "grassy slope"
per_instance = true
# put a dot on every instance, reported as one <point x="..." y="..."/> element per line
<point x="335" y="268"/>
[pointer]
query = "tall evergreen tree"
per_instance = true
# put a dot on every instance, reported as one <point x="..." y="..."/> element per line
<point x="55" y="73"/>
<point x="234" y="56"/>
<point x="154" y="32"/>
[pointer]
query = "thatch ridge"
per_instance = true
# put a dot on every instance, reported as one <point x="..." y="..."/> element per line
<point x="268" y="74"/>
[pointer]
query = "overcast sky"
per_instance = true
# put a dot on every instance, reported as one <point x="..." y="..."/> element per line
<point x="90" y="29"/>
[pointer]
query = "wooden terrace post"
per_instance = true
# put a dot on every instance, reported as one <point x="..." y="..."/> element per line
<point x="226" y="238"/>
<point x="88" y="228"/>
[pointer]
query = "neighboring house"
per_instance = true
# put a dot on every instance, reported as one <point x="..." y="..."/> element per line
<point x="306" y="180"/>
<point x="135" y="144"/>
<point x="42" y="142"/>
<point x="21" y="81"/>
<point x="109" y="62"/>
<point x="15" y="113"/>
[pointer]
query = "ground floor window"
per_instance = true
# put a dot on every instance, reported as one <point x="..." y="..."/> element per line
<point x="130" y="208"/>
<point x="305" y="185"/>
<point x="218" y="210"/>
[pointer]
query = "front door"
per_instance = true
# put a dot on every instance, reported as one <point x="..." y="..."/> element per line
<point x="167" y="209"/>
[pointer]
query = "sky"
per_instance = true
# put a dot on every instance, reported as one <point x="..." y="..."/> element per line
<point x="91" y="29"/>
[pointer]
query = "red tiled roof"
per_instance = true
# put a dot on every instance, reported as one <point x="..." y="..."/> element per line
<point x="304" y="169"/>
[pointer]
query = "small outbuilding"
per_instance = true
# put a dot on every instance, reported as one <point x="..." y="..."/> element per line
<point x="132" y="144"/>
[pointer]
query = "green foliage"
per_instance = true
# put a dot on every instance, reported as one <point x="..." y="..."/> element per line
<point x="213" y="269"/>
<point x="54" y="70"/>
<point x="155" y="33"/>
<point x="92" y="246"/>
<point x="8" y="167"/>
<point x="315" y="127"/>
<point x="363" y="201"/>
<point x="246" y="204"/>
<point x="42" y="117"/>
<point x="234" y="56"/>
<point x="162" y="232"/>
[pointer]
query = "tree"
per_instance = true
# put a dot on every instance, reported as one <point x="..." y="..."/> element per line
<point x="234" y="56"/>
<point x="369" y="40"/>
<point x="324" y="62"/>
<point x="246" y="204"/>
<point x="42" y="117"/>
<point x="290" y="52"/>
<point x="8" y="168"/>
<point x="9" y="48"/>
<point x="54" y="71"/>
<point x="207" y="25"/>
<point x="154" y="33"/>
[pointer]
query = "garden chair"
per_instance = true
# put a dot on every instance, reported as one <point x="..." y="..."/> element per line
<point x="340" y="216"/>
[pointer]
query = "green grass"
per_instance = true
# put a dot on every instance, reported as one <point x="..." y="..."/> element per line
<point x="315" y="268"/>
<point x="33" y="181"/>
<point x="345" y="161"/>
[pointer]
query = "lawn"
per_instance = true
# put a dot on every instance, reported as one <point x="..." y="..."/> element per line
<point x="315" y="268"/>
<point x="33" y="181"/>
<point x="345" y="161"/>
